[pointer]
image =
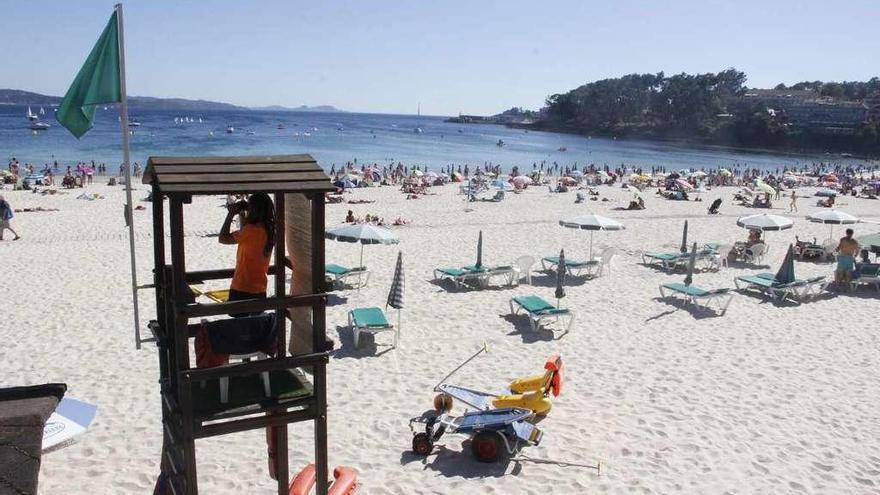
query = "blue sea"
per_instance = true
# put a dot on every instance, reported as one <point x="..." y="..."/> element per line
<point x="336" y="138"/>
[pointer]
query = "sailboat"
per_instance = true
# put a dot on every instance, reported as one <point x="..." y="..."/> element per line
<point x="42" y="112"/>
<point x="31" y="115"/>
<point x="418" y="130"/>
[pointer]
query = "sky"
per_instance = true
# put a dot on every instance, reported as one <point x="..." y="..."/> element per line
<point x="449" y="56"/>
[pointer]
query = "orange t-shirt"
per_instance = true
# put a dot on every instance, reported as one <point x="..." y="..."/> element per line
<point x="250" y="264"/>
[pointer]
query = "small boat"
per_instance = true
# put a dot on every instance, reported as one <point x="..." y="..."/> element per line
<point x="250" y="133"/>
<point x="500" y="143"/>
<point x="418" y="129"/>
<point x="134" y="123"/>
<point x="176" y="120"/>
<point x="200" y="120"/>
<point x="230" y="130"/>
<point x="281" y="126"/>
<point x="31" y="115"/>
<point x="563" y="149"/>
<point x="39" y="126"/>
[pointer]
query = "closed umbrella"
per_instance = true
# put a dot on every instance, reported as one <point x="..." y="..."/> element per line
<point x="560" y="277"/>
<point x="363" y="233"/>
<point x="480" y="251"/>
<point x="785" y="275"/>
<point x="684" y="238"/>
<point x="692" y="262"/>
<point x="395" y="294"/>
<point x="833" y="217"/>
<point x="592" y="223"/>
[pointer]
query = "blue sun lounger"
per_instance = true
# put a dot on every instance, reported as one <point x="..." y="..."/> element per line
<point x="696" y="295"/>
<point x="539" y="310"/>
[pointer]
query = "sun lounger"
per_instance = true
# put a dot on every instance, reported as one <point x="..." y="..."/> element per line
<point x="478" y="277"/>
<point x="696" y="295"/>
<point x="869" y="274"/>
<point x="371" y="320"/>
<point x="669" y="261"/>
<point x="572" y="267"/>
<point x="338" y="274"/>
<point x="766" y="282"/>
<point x="539" y="310"/>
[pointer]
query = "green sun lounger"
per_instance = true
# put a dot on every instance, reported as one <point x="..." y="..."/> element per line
<point x="371" y="320"/>
<point x="766" y="282"/>
<point x="479" y="276"/>
<point x="572" y="267"/>
<point x="696" y="295"/>
<point x="338" y="274"/>
<point x="669" y="261"/>
<point x="539" y="310"/>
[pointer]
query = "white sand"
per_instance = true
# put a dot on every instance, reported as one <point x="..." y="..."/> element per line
<point x="767" y="399"/>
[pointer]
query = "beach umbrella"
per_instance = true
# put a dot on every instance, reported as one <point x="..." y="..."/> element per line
<point x="764" y="187"/>
<point x="479" y="263"/>
<point x="500" y="184"/>
<point x="521" y="181"/>
<point x="724" y="172"/>
<point x="699" y="174"/>
<point x="576" y="174"/>
<point x="828" y="193"/>
<point x="692" y="262"/>
<point x="592" y="223"/>
<point x="70" y="419"/>
<point x="785" y="275"/>
<point x="560" y="277"/>
<point x="684" y="238"/>
<point x="684" y="185"/>
<point x="395" y="294"/>
<point x="765" y="222"/>
<point x="833" y="217"/>
<point x="345" y="183"/>
<point x="362" y="233"/>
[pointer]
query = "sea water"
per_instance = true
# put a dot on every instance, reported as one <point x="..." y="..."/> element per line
<point x="336" y="138"/>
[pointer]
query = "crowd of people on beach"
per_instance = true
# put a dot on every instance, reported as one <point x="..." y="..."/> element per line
<point x="26" y="176"/>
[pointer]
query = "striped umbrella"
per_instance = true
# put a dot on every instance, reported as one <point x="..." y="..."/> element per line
<point x="395" y="295"/>
<point x="560" y="277"/>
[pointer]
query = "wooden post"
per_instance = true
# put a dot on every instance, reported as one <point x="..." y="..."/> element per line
<point x="280" y="432"/>
<point x="180" y="341"/>
<point x="319" y="342"/>
<point x="298" y="230"/>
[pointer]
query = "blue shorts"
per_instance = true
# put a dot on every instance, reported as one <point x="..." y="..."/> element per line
<point x="846" y="263"/>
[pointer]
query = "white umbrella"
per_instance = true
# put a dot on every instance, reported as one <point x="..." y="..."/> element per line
<point x="363" y="233"/>
<point x="765" y="222"/>
<point x="833" y="217"/>
<point x="592" y="223"/>
<point x="766" y="188"/>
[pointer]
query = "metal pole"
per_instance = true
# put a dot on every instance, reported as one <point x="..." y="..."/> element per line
<point x="129" y="217"/>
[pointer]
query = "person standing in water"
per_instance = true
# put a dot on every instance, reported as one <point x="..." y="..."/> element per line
<point x="5" y="219"/>
<point x="255" y="241"/>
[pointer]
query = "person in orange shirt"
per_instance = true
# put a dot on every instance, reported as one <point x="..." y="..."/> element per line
<point x="255" y="241"/>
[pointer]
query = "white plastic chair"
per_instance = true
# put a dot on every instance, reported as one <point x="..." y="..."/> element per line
<point x="722" y="255"/>
<point x="604" y="260"/>
<point x="523" y="268"/>
<point x="755" y="253"/>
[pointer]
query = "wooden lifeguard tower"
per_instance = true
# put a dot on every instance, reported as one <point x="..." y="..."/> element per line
<point x="190" y="409"/>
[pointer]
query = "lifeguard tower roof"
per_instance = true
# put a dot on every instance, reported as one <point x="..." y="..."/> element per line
<point x="236" y="174"/>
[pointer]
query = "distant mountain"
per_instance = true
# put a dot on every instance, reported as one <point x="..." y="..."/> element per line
<point x="19" y="97"/>
<point x="301" y="108"/>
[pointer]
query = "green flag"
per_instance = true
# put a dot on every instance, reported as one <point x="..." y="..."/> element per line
<point x="97" y="83"/>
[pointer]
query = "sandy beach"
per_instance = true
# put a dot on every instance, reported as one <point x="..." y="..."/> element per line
<point x="769" y="398"/>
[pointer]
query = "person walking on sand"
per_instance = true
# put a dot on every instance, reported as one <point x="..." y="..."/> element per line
<point x="5" y="217"/>
<point x="793" y="206"/>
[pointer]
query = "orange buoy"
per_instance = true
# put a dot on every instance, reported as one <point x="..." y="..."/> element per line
<point x="345" y="481"/>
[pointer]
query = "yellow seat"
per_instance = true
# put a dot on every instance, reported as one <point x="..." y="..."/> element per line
<point x="219" y="295"/>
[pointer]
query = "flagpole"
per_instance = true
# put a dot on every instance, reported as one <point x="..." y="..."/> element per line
<point x="129" y="217"/>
